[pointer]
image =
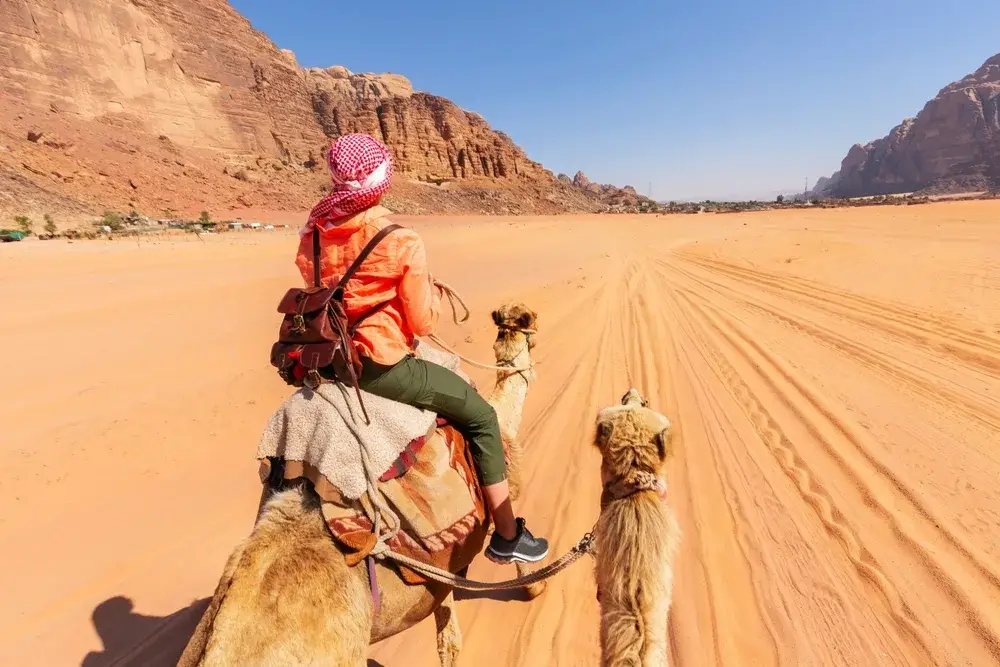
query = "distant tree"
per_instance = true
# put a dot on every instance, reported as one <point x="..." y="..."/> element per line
<point x="781" y="199"/>
<point x="205" y="218"/>
<point x="50" y="225"/>
<point x="24" y="222"/>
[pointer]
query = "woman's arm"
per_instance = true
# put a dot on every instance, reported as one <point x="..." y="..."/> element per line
<point x="421" y="300"/>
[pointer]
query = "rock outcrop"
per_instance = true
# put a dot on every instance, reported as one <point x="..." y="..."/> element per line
<point x="953" y="144"/>
<point x="613" y="198"/>
<point x="195" y="71"/>
<point x="431" y="138"/>
<point x="182" y="105"/>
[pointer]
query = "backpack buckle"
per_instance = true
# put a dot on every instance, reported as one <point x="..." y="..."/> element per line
<point x="312" y="379"/>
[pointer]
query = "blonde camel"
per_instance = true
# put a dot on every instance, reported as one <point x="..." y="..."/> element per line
<point x="637" y="535"/>
<point x="287" y="596"/>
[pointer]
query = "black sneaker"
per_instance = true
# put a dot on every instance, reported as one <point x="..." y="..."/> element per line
<point x="525" y="548"/>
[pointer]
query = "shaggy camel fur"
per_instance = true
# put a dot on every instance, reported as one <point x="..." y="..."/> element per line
<point x="637" y="535"/>
<point x="287" y="596"/>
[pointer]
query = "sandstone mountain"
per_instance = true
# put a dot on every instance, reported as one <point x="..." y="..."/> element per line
<point x="181" y="105"/>
<point x="952" y="145"/>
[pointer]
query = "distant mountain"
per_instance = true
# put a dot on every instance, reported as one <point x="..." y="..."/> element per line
<point x="161" y="105"/>
<point x="952" y="145"/>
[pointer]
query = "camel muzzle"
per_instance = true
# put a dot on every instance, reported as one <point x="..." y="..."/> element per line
<point x="633" y="397"/>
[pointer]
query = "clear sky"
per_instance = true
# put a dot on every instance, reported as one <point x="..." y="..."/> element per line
<point x="701" y="98"/>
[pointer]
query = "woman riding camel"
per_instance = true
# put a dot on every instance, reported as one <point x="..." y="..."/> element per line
<point x="396" y="274"/>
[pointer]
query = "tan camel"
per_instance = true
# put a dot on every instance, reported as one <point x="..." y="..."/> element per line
<point x="637" y="535"/>
<point x="287" y="596"/>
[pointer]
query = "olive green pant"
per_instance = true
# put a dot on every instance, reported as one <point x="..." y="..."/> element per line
<point x="435" y="388"/>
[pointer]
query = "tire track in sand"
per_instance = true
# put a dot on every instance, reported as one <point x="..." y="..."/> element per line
<point x="784" y="452"/>
<point x="934" y="334"/>
<point x="853" y="435"/>
<point x="911" y="378"/>
<point x="958" y="563"/>
<point x="661" y="353"/>
<point x="964" y="555"/>
<point x="550" y="618"/>
<point x="803" y="602"/>
<point x="765" y="592"/>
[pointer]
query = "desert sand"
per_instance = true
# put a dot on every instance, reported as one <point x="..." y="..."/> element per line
<point x="833" y="377"/>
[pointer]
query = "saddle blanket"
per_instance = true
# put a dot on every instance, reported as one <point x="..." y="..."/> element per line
<point x="426" y="471"/>
<point x="324" y="429"/>
<point x="440" y="505"/>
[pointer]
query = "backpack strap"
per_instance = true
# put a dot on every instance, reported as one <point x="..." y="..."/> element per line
<point x="338" y="293"/>
<point x="356" y="264"/>
<point x="352" y="269"/>
<point x="363" y="255"/>
<point x="316" y="267"/>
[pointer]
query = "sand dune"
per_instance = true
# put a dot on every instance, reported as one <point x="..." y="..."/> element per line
<point x="833" y="377"/>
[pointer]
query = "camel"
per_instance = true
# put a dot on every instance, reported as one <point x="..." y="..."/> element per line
<point x="288" y="597"/>
<point x="637" y="535"/>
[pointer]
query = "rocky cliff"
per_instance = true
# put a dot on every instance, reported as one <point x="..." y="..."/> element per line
<point x="181" y="105"/>
<point x="431" y="138"/>
<point x="953" y="144"/>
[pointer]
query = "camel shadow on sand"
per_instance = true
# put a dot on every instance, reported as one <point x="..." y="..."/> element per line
<point x="133" y="639"/>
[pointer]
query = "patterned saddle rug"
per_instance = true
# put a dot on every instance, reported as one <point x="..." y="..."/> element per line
<point x="433" y="489"/>
<point x="430" y="483"/>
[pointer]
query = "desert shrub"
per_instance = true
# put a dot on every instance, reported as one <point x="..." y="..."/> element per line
<point x="205" y="218"/>
<point x="112" y="220"/>
<point x="24" y="223"/>
<point x="50" y="225"/>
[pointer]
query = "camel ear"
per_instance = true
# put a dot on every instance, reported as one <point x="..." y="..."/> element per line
<point x="604" y="431"/>
<point x="497" y="320"/>
<point x="664" y="440"/>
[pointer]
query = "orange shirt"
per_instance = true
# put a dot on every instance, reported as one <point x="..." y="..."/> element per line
<point x="395" y="271"/>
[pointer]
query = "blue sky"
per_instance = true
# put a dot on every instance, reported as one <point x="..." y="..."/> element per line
<point x="702" y="99"/>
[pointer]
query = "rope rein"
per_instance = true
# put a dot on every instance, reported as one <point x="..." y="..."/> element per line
<point x="453" y="297"/>
<point x="378" y="508"/>
<point x="586" y="545"/>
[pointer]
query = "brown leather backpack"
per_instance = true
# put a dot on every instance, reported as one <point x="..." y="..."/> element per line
<point x="315" y="343"/>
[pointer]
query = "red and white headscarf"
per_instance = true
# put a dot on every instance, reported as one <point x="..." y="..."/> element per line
<point x="361" y="168"/>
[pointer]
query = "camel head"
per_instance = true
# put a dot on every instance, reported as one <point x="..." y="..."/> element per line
<point x="632" y="398"/>
<point x="634" y="442"/>
<point x="515" y="335"/>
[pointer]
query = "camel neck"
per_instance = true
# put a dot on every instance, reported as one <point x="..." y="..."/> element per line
<point x="508" y="399"/>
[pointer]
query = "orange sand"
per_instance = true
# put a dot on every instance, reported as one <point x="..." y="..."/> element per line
<point x="834" y="378"/>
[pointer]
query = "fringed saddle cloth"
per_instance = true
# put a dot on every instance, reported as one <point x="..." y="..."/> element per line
<point x="427" y="473"/>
